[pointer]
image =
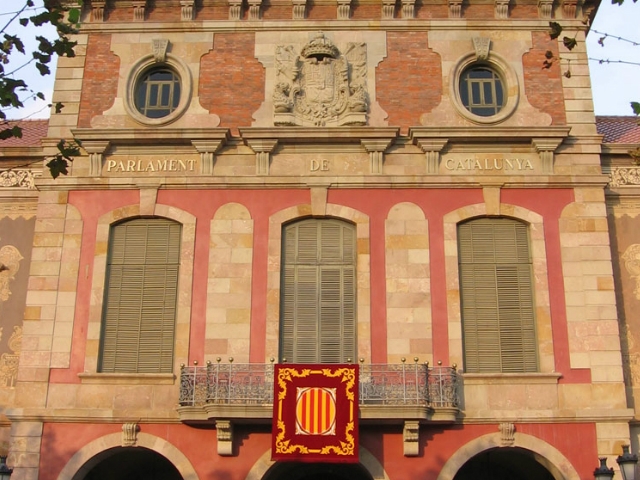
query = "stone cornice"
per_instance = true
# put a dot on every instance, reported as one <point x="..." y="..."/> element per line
<point x="490" y="134"/>
<point x="137" y="136"/>
<point x="318" y="135"/>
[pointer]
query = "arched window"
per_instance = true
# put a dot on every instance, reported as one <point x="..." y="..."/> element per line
<point x="138" y="321"/>
<point x="318" y="292"/>
<point x="496" y="290"/>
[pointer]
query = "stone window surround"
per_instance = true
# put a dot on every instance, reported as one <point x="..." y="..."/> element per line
<point x="185" y="280"/>
<point x="135" y="75"/>
<point x="511" y="86"/>
<point x="546" y="361"/>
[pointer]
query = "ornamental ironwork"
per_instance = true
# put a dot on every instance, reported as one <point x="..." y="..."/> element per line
<point x="380" y="384"/>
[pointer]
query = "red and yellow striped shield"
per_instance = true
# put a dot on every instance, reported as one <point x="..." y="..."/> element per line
<point x="316" y="411"/>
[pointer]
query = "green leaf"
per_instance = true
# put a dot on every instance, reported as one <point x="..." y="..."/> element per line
<point x="569" y="42"/>
<point x="13" y="132"/>
<point x="556" y="30"/>
<point x="59" y="106"/>
<point x="24" y="22"/>
<point x="635" y="106"/>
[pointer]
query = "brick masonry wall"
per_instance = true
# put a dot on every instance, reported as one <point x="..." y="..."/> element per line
<point x="231" y="79"/>
<point x="100" y="83"/>
<point x="409" y="80"/>
<point x="543" y="86"/>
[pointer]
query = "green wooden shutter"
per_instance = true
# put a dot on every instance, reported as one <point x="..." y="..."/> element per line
<point x="318" y="315"/>
<point x="497" y="301"/>
<point x="138" y="327"/>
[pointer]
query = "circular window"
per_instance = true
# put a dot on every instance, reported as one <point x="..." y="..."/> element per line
<point x="484" y="91"/>
<point x="157" y="93"/>
<point x="481" y="91"/>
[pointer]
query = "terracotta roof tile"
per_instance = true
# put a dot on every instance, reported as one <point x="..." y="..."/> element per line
<point x="619" y="129"/>
<point x="33" y="131"/>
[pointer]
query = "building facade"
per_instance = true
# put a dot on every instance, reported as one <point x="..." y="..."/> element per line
<point x="397" y="185"/>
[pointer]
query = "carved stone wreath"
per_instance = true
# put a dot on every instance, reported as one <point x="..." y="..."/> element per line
<point x="321" y="86"/>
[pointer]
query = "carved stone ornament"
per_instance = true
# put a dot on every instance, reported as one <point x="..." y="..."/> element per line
<point x="625" y="176"/>
<point x="502" y="9"/>
<point x="160" y="47"/>
<point x="97" y="10"/>
<point x="321" y="86"/>
<point x="455" y="8"/>
<point x="507" y="432"/>
<point x="631" y="257"/>
<point x="9" y="361"/>
<point x="138" y="10"/>
<point x="482" y="45"/>
<point x="130" y="434"/>
<point x="9" y="265"/>
<point x="545" y="7"/>
<point x="411" y="438"/>
<point x="17" y="179"/>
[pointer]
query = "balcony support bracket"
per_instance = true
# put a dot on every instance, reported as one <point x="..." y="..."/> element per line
<point x="411" y="438"/>
<point x="224" y="433"/>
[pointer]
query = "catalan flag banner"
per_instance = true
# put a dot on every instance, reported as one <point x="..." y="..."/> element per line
<point x="315" y="413"/>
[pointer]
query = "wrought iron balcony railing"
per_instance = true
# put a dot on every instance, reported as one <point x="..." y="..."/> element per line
<point x="384" y="385"/>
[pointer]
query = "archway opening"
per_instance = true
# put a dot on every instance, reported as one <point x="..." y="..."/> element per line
<point x="504" y="464"/>
<point x="317" y="471"/>
<point x="128" y="463"/>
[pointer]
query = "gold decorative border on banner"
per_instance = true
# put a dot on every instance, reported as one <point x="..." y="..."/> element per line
<point x="345" y="447"/>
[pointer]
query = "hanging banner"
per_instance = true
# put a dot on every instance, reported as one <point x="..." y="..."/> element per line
<point x="315" y="412"/>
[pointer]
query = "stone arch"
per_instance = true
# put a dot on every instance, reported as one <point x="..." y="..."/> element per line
<point x="547" y="455"/>
<point x="361" y="222"/>
<point x="367" y="460"/>
<point x="187" y="247"/>
<point x="541" y="281"/>
<point x="79" y="464"/>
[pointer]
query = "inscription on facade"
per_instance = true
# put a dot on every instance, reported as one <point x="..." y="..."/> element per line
<point x="164" y="165"/>
<point x="481" y="164"/>
<point x="319" y="166"/>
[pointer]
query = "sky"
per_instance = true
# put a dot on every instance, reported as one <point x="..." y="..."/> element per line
<point x="615" y="84"/>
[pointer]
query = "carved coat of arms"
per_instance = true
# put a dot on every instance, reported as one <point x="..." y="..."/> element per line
<point x="321" y="86"/>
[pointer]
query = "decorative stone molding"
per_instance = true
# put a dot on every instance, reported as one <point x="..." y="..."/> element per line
<point x="187" y="11"/>
<point x="224" y="433"/>
<point x="96" y="150"/>
<point x="411" y="437"/>
<point x="97" y="11"/>
<point x="455" y="8"/>
<point x="631" y="257"/>
<point x="432" y="149"/>
<point x="138" y="10"/>
<point x="569" y="8"/>
<point x="376" y="148"/>
<point x="299" y="9"/>
<point x="130" y="434"/>
<point x="159" y="46"/>
<point x="546" y="147"/>
<point x="482" y="46"/>
<point x="507" y="434"/>
<point x="502" y="9"/>
<point x="388" y="8"/>
<point x="545" y="7"/>
<point x="344" y="9"/>
<point x="408" y="8"/>
<point x="255" y="9"/>
<point x="624" y="176"/>
<point x="235" y="9"/>
<point x="18" y="178"/>
<point x="262" y="149"/>
<point x="10" y="258"/>
<point x="320" y="85"/>
<point x="207" y="150"/>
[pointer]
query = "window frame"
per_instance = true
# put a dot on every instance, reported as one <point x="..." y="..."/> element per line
<point x="509" y="323"/>
<point x="321" y="269"/>
<point x="147" y="269"/>
<point x="136" y="75"/>
<point x="510" y="87"/>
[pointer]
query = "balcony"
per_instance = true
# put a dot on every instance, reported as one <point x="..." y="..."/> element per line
<point x="388" y="393"/>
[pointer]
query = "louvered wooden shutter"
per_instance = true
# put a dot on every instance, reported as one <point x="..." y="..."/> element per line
<point x="140" y="297"/>
<point x="318" y="315"/>
<point x="497" y="296"/>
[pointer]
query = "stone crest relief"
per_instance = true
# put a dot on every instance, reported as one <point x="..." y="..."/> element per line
<point x="9" y="361"/>
<point x="320" y="85"/>
<point x="631" y="258"/>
